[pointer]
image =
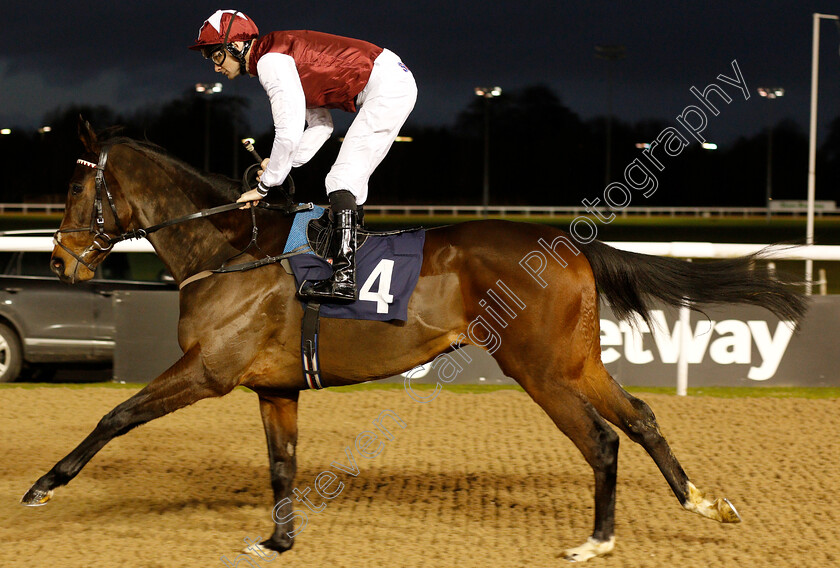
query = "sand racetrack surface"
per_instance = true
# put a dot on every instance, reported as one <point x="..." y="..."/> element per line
<point x="472" y="480"/>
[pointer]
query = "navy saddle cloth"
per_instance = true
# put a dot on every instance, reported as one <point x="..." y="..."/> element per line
<point x="387" y="266"/>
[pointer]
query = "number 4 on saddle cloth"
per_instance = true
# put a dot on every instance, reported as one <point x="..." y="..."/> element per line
<point x="387" y="266"/>
<point x="387" y="269"/>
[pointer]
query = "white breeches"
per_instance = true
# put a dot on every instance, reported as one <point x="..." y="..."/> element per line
<point x="383" y="107"/>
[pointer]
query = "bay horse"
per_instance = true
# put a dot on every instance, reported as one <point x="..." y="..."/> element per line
<point x="242" y="328"/>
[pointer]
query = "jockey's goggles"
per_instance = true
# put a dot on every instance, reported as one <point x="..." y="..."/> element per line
<point x="217" y="54"/>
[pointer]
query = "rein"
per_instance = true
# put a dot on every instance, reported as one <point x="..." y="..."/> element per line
<point x="103" y="242"/>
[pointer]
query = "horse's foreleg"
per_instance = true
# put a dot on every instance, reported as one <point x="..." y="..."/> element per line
<point x="598" y="443"/>
<point x="637" y="420"/>
<point x="182" y="384"/>
<point x="279" y="415"/>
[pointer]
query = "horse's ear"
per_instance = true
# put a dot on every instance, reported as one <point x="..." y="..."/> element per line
<point x="88" y="136"/>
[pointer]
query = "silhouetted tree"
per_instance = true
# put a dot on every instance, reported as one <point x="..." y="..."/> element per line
<point x="180" y="126"/>
<point x="828" y="172"/>
<point x="744" y="173"/>
<point x="538" y="149"/>
<point x="541" y="153"/>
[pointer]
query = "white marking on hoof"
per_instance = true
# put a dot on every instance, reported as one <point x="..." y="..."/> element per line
<point x="260" y="551"/>
<point x="41" y="502"/>
<point x="720" y="510"/>
<point x="590" y="549"/>
<point x="728" y="512"/>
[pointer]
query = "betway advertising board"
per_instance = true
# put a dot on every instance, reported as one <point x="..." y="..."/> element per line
<point x="729" y="346"/>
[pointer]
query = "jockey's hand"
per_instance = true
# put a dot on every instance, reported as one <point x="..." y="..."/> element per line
<point x="250" y="198"/>
<point x="263" y="166"/>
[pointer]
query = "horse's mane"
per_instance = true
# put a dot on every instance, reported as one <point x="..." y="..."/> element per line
<point x="227" y="188"/>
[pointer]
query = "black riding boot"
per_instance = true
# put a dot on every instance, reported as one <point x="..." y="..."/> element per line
<point x="341" y="286"/>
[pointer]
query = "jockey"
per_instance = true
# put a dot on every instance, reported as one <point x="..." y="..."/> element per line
<point x="304" y="74"/>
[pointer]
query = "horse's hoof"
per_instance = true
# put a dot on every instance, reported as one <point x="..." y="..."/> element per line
<point x="257" y="549"/>
<point x="720" y="510"/>
<point x="589" y="549"/>
<point x="36" y="497"/>
<point x="728" y="512"/>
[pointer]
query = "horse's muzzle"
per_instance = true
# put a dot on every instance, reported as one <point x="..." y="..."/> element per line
<point x="68" y="269"/>
<point x="57" y="266"/>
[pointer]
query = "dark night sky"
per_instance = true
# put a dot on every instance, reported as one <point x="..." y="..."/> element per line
<point x="129" y="54"/>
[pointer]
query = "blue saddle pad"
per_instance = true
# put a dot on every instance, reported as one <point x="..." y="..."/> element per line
<point x="387" y="270"/>
<point x="297" y="241"/>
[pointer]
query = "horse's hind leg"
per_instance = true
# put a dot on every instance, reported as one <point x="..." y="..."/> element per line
<point x="279" y="415"/>
<point x="598" y="443"/>
<point x="637" y="420"/>
<point x="181" y="385"/>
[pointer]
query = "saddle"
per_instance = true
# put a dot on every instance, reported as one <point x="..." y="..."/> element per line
<point x="388" y="267"/>
<point x="319" y="234"/>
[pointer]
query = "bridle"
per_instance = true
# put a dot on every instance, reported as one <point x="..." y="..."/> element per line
<point x="104" y="242"/>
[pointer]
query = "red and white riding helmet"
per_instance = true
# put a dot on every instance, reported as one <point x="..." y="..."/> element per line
<point x="225" y="26"/>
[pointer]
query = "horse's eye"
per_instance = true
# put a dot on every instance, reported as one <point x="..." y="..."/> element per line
<point x="76" y="188"/>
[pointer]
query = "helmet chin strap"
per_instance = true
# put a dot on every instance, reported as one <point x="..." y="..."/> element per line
<point x="239" y="55"/>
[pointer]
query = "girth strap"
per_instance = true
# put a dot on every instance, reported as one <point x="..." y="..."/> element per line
<point x="309" y="326"/>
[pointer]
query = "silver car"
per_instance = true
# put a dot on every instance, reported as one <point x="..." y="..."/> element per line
<point x="44" y="322"/>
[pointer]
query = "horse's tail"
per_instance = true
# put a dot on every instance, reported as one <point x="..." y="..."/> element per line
<point x="630" y="281"/>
